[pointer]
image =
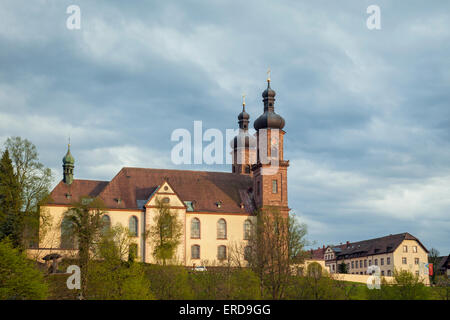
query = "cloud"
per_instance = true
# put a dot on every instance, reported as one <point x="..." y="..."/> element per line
<point x="367" y="117"/>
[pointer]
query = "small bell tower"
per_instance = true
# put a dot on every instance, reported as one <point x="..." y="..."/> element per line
<point x="68" y="166"/>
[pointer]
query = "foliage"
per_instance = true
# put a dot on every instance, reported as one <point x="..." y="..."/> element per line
<point x="11" y="217"/>
<point x="225" y="284"/>
<point x="315" y="285"/>
<point x="406" y="286"/>
<point x="442" y="288"/>
<point x="19" y="278"/>
<point x="169" y="282"/>
<point x="342" y="267"/>
<point x="34" y="181"/>
<point x="110" y="277"/>
<point x="165" y="233"/>
<point x="85" y="223"/>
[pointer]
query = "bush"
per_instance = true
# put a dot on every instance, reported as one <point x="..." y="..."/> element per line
<point x="169" y="282"/>
<point x="118" y="281"/>
<point x="406" y="286"/>
<point x="19" y="277"/>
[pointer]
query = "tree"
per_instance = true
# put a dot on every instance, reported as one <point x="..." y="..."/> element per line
<point x="19" y="278"/>
<point x="433" y="257"/>
<point x="277" y="243"/>
<point x="11" y="217"/>
<point x="111" y="277"/>
<point x="342" y="267"/>
<point x="84" y="221"/>
<point x="166" y="233"/>
<point x="34" y="181"/>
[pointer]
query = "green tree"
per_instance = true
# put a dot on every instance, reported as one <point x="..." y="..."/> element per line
<point x="342" y="267"/>
<point x="165" y="233"/>
<point x="113" y="278"/>
<point x="244" y="285"/>
<point x="34" y="181"/>
<point x="11" y="217"/>
<point x="19" y="278"/>
<point x="84" y="222"/>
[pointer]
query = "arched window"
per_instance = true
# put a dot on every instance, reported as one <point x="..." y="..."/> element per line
<point x="247" y="229"/>
<point x="106" y="224"/>
<point x="133" y="226"/>
<point x="195" y="228"/>
<point x="221" y="252"/>
<point x="247" y="253"/>
<point x="221" y="229"/>
<point x="195" y="251"/>
<point x="68" y="240"/>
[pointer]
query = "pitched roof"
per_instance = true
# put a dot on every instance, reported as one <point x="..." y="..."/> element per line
<point x="317" y="254"/>
<point x="443" y="263"/>
<point x="204" y="188"/>
<point x="381" y="245"/>
<point x="65" y="194"/>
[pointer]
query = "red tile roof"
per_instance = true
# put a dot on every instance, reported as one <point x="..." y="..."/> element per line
<point x="65" y="194"/>
<point x="204" y="188"/>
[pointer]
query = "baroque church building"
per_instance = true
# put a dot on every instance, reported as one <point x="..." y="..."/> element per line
<point x="217" y="209"/>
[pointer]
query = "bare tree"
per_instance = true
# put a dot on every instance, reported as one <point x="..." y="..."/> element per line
<point x="277" y="242"/>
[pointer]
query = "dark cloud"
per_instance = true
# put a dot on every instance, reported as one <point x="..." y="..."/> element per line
<point x="367" y="112"/>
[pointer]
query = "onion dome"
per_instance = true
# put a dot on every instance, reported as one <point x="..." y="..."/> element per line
<point x="68" y="158"/>
<point x="243" y="139"/>
<point x="269" y="119"/>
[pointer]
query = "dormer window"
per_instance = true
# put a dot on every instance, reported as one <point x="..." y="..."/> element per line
<point x="219" y="204"/>
<point x="118" y="200"/>
<point x="166" y="200"/>
<point x="68" y="196"/>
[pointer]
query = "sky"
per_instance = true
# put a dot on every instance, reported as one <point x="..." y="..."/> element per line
<point x="367" y="111"/>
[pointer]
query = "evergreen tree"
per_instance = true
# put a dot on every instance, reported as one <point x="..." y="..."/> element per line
<point x="11" y="217"/>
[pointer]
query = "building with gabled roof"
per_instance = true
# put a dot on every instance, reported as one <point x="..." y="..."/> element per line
<point x="400" y="251"/>
<point x="216" y="209"/>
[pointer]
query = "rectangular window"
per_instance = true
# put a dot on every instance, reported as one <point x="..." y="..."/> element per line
<point x="389" y="273"/>
<point x="382" y="261"/>
<point x="274" y="186"/>
<point x="404" y="260"/>
<point x="416" y="260"/>
<point x="388" y="260"/>
<point x="360" y="263"/>
<point x="415" y="249"/>
<point x="376" y="262"/>
<point x="370" y="263"/>
<point x="365" y="263"/>
<point x="382" y="273"/>
<point x="417" y="273"/>
<point x="405" y="248"/>
<point x="353" y="264"/>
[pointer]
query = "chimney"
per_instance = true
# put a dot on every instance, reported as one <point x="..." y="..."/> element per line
<point x="323" y="247"/>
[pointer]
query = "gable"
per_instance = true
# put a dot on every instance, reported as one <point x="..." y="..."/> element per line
<point x="167" y="195"/>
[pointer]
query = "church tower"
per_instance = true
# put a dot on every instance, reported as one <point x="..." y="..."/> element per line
<point x="270" y="171"/>
<point x="243" y="145"/>
<point x="68" y="165"/>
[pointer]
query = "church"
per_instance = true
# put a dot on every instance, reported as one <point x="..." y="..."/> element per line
<point x="216" y="209"/>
